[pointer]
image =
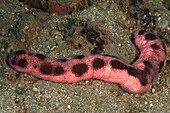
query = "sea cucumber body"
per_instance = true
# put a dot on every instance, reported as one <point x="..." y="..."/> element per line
<point x="135" y="78"/>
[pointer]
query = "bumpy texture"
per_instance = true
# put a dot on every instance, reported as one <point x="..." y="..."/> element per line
<point x="135" y="78"/>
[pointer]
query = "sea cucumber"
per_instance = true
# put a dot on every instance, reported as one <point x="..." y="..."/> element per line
<point x="135" y="78"/>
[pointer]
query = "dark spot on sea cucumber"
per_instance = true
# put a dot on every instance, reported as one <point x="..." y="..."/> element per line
<point x="13" y="62"/>
<point x="40" y="56"/>
<point x="112" y="56"/>
<point x="30" y="54"/>
<point x="118" y="65"/>
<point x="35" y="66"/>
<point x="143" y="80"/>
<point x="161" y="64"/>
<point x="98" y="63"/>
<point x="62" y="60"/>
<point x="58" y="70"/>
<point x="79" y="69"/>
<point x="142" y="76"/>
<point x="132" y="71"/>
<point x="154" y="46"/>
<point x="164" y="48"/>
<point x="150" y="36"/>
<point x="22" y="63"/>
<point x="21" y="52"/>
<point x="147" y="64"/>
<point x="79" y="57"/>
<point x="146" y="71"/>
<point x="141" y="32"/>
<point x="46" y="68"/>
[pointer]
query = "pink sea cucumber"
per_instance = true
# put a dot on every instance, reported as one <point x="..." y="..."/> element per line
<point x="135" y="78"/>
